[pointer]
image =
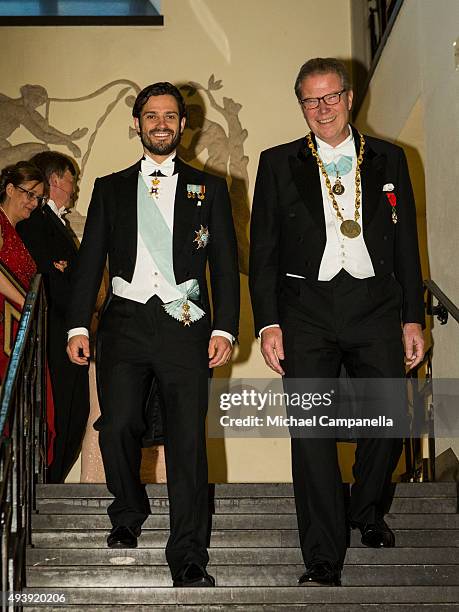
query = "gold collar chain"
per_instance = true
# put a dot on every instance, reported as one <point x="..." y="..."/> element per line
<point x="349" y="227"/>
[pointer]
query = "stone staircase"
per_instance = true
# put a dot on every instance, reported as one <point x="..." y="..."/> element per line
<point x="254" y="554"/>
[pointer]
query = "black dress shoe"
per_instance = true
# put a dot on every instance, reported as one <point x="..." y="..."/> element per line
<point x="122" y="537"/>
<point x="321" y="572"/>
<point x="193" y="575"/>
<point x="377" y="535"/>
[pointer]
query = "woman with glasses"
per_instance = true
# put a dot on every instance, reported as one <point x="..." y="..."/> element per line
<point x="22" y="189"/>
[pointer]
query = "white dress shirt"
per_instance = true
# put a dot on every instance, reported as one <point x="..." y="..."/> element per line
<point x="350" y="254"/>
<point x="147" y="279"/>
<point x="59" y="212"/>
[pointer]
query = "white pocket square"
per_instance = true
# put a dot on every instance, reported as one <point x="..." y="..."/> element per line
<point x="388" y="187"/>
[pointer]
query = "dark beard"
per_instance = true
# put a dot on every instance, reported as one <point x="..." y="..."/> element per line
<point x="161" y="149"/>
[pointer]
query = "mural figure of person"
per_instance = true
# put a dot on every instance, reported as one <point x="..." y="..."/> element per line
<point x="22" y="111"/>
<point x="207" y="135"/>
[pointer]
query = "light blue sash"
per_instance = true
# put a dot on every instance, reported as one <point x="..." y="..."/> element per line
<point x="157" y="238"/>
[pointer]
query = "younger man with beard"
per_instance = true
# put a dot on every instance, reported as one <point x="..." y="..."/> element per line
<point x="159" y="222"/>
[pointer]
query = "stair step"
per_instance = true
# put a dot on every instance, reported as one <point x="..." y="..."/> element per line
<point x="260" y="505"/>
<point x="269" y="538"/>
<point x="240" y="575"/>
<point x="285" y="596"/>
<point x="231" y="521"/>
<point x="406" y="607"/>
<point x="231" y="556"/>
<point x="235" y="490"/>
<point x="255" y="554"/>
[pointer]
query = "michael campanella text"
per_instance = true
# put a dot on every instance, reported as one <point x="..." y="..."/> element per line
<point x="314" y="421"/>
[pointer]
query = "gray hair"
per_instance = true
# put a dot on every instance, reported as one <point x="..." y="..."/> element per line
<point x="322" y="65"/>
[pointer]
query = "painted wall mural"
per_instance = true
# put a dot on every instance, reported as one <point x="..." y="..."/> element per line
<point x="213" y="138"/>
<point x="22" y="111"/>
<point x="225" y="151"/>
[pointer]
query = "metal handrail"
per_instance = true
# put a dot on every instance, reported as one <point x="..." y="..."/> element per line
<point x="23" y="440"/>
<point x="378" y="37"/>
<point x="420" y="452"/>
<point x="444" y="307"/>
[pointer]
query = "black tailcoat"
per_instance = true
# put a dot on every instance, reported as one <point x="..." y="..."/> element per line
<point x="111" y="230"/>
<point x="139" y="344"/>
<point x="288" y="224"/>
<point x="328" y="324"/>
<point x="48" y="241"/>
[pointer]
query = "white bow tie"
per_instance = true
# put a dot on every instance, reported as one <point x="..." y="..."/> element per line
<point x="329" y="154"/>
<point x="148" y="166"/>
<point x="59" y="212"/>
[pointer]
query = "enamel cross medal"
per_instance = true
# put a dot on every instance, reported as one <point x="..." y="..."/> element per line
<point x="154" y="189"/>
<point x="186" y="316"/>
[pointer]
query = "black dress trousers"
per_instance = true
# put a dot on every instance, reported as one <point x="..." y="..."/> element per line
<point x="327" y="324"/>
<point x="70" y="384"/>
<point x="138" y="343"/>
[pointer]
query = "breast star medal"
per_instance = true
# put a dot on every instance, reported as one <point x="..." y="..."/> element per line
<point x="202" y="237"/>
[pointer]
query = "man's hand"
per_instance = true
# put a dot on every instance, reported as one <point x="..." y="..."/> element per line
<point x="73" y="349"/>
<point x="413" y="340"/>
<point x="272" y="348"/>
<point x="60" y="265"/>
<point x="220" y="350"/>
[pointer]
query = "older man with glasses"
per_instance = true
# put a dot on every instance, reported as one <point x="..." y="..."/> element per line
<point x="335" y="281"/>
<point x="53" y="246"/>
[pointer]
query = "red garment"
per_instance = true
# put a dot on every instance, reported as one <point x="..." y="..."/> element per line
<point x="17" y="260"/>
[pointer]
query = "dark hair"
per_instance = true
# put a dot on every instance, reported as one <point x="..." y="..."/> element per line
<point x="322" y="65"/>
<point x="158" y="89"/>
<point x="22" y="172"/>
<point x="50" y="162"/>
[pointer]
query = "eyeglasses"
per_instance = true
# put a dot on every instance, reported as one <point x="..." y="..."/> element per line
<point x="41" y="200"/>
<point x="69" y="193"/>
<point x="330" y="100"/>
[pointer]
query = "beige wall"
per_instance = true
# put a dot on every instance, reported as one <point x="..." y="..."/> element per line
<point x="254" y="46"/>
<point x="414" y="99"/>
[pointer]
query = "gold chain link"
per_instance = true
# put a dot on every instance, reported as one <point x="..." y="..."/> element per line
<point x="327" y="180"/>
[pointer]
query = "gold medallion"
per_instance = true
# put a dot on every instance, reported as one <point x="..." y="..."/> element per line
<point x="350" y="228"/>
<point x="338" y="187"/>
